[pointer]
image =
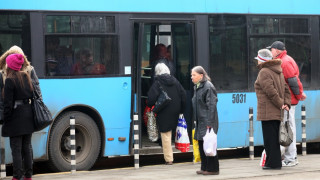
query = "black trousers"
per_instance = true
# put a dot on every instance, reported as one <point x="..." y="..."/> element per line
<point x="208" y="163"/>
<point x="270" y="130"/>
<point x="22" y="155"/>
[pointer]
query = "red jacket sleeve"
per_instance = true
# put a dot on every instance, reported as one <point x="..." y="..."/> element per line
<point x="291" y="73"/>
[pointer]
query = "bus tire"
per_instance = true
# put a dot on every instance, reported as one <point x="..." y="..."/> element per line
<point x="88" y="142"/>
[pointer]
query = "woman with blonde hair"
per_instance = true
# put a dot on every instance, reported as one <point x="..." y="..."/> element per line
<point x="18" y="116"/>
<point x="26" y="66"/>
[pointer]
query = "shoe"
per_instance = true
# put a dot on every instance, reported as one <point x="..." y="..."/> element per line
<point x="288" y="163"/>
<point x="210" y="173"/>
<point x="200" y="172"/>
<point x="270" y="168"/>
<point x="169" y="163"/>
<point x="297" y="162"/>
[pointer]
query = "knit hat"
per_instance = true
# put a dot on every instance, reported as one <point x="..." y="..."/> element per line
<point x="15" y="61"/>
<point x="264" y="55"/>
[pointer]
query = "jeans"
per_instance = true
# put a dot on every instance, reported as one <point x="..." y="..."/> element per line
<point x="22" y="155"/>
<point x="291" y="151"/>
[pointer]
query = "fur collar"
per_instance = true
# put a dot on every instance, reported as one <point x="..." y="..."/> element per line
<point x="270" y="63"/>
<point x="274" y="65"/>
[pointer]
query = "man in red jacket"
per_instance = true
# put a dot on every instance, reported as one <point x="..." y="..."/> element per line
<point x="290" y="71"/>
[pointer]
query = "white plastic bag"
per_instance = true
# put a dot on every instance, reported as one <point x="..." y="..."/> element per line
<point x="210" y="143"/>
<point x="182" y="141"/>
<point x="263" y="158"/>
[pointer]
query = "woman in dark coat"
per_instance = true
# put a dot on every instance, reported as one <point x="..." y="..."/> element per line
<point x="204" y="103"/>
<point x="18" y="116"/>
<point x="273" y="96"/>
<point x="167" y="118"/>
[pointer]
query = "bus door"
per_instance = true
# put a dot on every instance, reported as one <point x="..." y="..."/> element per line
<point x="177" y="38"/>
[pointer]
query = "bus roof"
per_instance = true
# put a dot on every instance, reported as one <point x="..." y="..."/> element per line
<point x="305" y="7"/>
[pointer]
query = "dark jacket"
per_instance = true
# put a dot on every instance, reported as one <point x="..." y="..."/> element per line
<point x="290" y="71"/>
<point x="18" y="120"/>
<point x="30" y="70"/>
<point x="272" y="91"/>
<point x="204" y="103"/>
<point x="167" y="118"/>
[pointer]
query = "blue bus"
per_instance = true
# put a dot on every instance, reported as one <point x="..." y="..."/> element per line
<point x="93" y="61"/>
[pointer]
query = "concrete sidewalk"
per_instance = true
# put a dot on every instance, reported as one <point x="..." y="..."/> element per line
<point x="308" y="168"/>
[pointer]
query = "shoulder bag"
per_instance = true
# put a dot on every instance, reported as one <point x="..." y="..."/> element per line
<point x="162" y="101"/>
<point x="42" y="115"/>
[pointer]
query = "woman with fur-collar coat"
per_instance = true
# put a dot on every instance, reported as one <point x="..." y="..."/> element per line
<point x="273" y="98"/>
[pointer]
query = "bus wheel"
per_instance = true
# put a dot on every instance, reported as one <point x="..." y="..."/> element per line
<point x="88" y="142"/>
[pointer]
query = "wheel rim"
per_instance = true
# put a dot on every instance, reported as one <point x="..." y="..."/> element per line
<point x="83" y="144"/>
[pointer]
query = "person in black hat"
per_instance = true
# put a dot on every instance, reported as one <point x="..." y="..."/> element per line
<point x="291" y="73"/>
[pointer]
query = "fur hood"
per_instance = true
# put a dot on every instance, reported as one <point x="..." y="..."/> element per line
<point x="274" y="65"/>
<point x="13" y="50"/>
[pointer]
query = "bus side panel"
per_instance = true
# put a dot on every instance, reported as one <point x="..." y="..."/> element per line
<point x="312" y="104"/>
<point x="233" y="112"/>
<point x="234" y="119"/>
<point x="111" y="97"/>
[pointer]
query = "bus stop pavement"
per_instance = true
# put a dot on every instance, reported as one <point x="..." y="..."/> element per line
<point x="241" y="168"/>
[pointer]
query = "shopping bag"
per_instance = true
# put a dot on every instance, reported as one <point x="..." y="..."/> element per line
<point x="152" y="127"/>
<point x="196" y="152"/>
<point x="182" y="141"/>
<point x="210" y="143"/>
<point x="145" y="116"/>
<point x="263" y="158"/>
<point x="285" y="133"/>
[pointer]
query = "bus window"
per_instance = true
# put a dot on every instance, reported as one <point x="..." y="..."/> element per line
<point x="90" y="49"/>
<point x="15" y="30"/>
<point x="65" y="56"/>
<point x="228" y="52"/>
<point x="297" y="45"/>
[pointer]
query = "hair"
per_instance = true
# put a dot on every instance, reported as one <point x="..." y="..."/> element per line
<point x="265" y="53"/>
<point x="156" y="51"/>
<point x="161" y="68"/>
<point x="169" y="48"/>
<point x="18" y="75"/>
<point x="200" y="70"/>
<point x="13" y="50"/>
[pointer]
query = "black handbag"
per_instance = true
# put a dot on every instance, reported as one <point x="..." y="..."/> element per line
<point x="162" y="101"/>
<point x="42" y="115"/>
<point x="285" y="133"/>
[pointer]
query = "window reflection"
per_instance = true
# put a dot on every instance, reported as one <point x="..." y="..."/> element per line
<point x="81" y="55"/>
<point x="80" y="24"/>
<point x="228" y="52"/>
<point x="298" y="48"/>
<point x="268" y="25"/>
<point x="15" y="30"/>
